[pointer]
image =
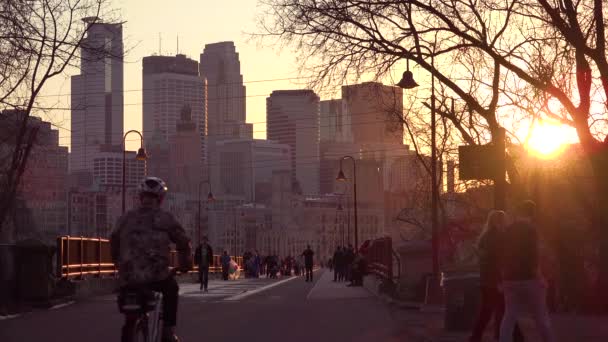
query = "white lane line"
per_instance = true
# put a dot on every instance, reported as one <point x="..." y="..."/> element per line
<point x="258" y="290"/>
<point x="59" y="306"/>
<point x="8" y="317"/>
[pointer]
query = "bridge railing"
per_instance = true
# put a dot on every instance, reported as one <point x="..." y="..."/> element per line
<point x="382" y="259"/>
<point x="79" y="257"/>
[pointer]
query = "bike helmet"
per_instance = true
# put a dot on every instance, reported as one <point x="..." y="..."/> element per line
<point x="153" y="185"/>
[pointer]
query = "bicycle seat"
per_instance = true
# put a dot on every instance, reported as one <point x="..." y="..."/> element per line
<point x="137" y="300"/>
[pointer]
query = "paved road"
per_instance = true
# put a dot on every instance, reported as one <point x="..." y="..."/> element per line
<point x="232" y="311"/>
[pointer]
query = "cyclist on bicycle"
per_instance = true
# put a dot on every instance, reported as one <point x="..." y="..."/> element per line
<point x="140" y="246"/>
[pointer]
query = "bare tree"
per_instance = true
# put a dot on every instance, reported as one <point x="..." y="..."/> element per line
<point x="39" y="40"/>
<point x="506" y="60"/>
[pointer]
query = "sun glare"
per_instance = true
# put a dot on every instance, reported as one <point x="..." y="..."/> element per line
<point x="548" y="140"/>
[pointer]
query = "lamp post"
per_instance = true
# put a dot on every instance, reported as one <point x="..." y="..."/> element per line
<point x="341" y="177"/>
<point x="210" y="199"/>
<point x="407" y="82"/>
<point x="141" y="155"/>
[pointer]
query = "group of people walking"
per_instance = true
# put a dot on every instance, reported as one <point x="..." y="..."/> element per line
<point x="511" y="282"/>
<point x="348" y="265"/>
<point x="254" y="265"/>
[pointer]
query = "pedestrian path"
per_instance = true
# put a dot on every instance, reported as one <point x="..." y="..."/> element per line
<point x="326" y="288"/>
<point x="230" y="290"/>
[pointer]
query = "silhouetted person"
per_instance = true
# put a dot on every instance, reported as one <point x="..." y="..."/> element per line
<point x="204" y="258"/>
<point x="308" y="262"/>
<point x="492" y="299"/>
<point x="337" y="260"/>
<point x="225" y="261"/>
<point x="348" y="259"/>
<point x="522" y="285"/>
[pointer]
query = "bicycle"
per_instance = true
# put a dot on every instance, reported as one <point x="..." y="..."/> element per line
<point x="143" y="314"/>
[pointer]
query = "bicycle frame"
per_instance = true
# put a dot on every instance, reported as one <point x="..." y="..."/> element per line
<point x="155" y="319"/>
<point x="147" y="323"/>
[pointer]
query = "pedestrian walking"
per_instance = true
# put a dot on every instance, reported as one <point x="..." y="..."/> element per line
<point x="492" y="300"/>
<point x="522" y="285"/>
<point x="204" y="257"/>
<point x="308" y="255"/>
<point x="225" y="261"/>
<point x="349" y="258"/>
<point x="337" y="260"/>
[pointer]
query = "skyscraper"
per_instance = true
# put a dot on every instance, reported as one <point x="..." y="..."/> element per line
<point x="292" y="118"/>
<point x="184" y="147"/>
<point x="332" y="127"/>
<point x="244" y="167"/>
<point x="97" y="95"/>
<point x="370" y="111"/>
<point x="171" y="86"/>
<point x="220" y="65"/>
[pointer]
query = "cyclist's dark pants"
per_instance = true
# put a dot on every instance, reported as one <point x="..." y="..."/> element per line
<point x="170" y="291"/>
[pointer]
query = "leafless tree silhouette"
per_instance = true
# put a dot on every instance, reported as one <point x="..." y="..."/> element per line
<point x="507" y="61"/>
<point x="39" y="40"/>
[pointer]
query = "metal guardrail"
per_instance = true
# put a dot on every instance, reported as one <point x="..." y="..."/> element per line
<point x="78" y="257"/>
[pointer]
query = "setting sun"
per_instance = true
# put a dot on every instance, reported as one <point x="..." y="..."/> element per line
<point x="548" y="139"/>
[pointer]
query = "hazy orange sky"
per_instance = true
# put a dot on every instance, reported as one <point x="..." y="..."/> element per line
<point x="196" y="23"/>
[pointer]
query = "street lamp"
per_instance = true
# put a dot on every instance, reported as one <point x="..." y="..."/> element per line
<point x="141" y="155"/>
<point x="407" y="82"/>
<point x="342" y="178"/>
<point x="210" y="199"/>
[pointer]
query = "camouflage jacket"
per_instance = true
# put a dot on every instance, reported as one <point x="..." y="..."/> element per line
<point x="141" y="242"/>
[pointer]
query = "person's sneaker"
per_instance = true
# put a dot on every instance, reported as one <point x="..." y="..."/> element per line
<point x="206" y="290"/>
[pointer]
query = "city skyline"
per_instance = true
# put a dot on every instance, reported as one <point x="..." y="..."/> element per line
<point x="264" y="68"/>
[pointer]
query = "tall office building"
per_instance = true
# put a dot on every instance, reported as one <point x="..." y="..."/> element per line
<point x="97" y="94"/>
<point x="370" y="111"/>
<point x="184" y="147"/>
<point x="244" y="167"/>
<point x="292" y="118"/>
<point x="333" y="127"/>
<point x="220" y="65"/>
<point x="172" y="85"/>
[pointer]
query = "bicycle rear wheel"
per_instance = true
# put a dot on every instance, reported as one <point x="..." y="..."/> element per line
<point x="136" y="331"/>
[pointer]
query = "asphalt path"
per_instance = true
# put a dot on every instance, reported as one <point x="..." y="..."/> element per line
<point x="243" y="310"/>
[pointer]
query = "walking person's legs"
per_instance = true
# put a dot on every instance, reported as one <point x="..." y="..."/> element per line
<point x="537" y="294"/>
<point x="205" y="278"/>
<point x="488" y="307"/>
<point x="518" y="336"/>
<point x="513" y="309"/>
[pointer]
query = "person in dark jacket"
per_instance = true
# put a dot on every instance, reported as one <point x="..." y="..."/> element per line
<point x="337" y="263"/>
<point x="492" y="300"/>
<point x="348" y="259"/>
<point x="204" y="258"/>
<point x="225" y="261"/>
<point x="522" y="283"/>
<point x="308" y="262"/>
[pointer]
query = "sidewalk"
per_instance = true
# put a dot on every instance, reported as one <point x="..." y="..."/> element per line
<point x="326" y="288"/>
<point x="425" y="324"/>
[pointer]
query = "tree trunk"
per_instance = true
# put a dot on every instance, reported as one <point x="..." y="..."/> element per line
<point x="599" y="162"/>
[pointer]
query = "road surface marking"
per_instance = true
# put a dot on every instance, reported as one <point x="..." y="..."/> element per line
<point x="59" y="306"/>
<point x="8" y="317"/>
<point x="258" y="290"/>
